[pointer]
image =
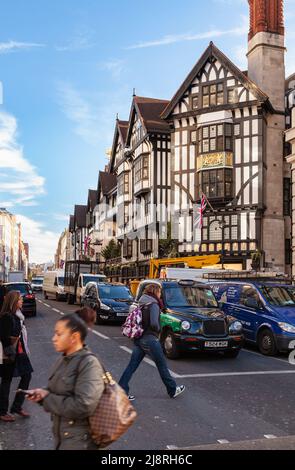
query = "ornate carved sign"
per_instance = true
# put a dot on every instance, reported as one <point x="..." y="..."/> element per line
<point x="214" y="160"/>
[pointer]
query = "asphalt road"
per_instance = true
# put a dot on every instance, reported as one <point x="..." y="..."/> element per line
<point x="245" y="400"/>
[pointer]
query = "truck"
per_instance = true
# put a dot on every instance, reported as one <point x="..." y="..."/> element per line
<point x="157" y="266"/>
<point x="16" y="276"/>
<point x="77" y="275"/>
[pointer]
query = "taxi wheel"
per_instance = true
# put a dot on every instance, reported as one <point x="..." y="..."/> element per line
<point x="169" y="345"/>
<point x="266" y="343"/>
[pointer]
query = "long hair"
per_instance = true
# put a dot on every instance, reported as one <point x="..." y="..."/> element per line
<point x="10" y="302"/>
<point x="152" y="289"/>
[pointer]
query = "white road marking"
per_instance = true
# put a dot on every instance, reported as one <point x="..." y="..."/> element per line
<point x="46" y="305"/>
<point x="236" y="374"/>
<point x="172" y="447"/>
<point x="223" y="441"/>
<point x="99" y="334"/>
<point x="270" y="436"/>
<point x="55" y="310"/>
<point x="149" y="361"/>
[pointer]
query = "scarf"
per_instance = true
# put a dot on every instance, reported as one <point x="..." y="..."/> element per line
<point x="24" y="332"/>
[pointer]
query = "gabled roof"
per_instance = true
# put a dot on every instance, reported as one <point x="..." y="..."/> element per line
<point x="106" y="183"/>
<point x="92" y="199"/>
<point x="149" y="111"/>
<point x="80" y="216"/>
<point x="72" y="223"/>
<point x="213" y="51"/>
<point x="120" y="131"/>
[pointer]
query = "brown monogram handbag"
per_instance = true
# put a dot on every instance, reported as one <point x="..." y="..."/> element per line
<point x="114" y="413"/>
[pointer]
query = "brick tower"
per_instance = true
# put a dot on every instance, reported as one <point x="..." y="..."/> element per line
<point x="266" y="67"/>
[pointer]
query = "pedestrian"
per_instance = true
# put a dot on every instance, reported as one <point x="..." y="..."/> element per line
<point x="149" y="343"/>
<point x="13" y="334"/>
<point x="75" y="383"/>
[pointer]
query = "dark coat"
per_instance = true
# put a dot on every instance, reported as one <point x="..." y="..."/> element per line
<point x="10" y="326"/>
<point x="75" y="386"/>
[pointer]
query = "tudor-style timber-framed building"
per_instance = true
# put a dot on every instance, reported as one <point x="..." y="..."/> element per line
<point x="227" y="141"/>
<point x="222" y="134"/>
<point x="141" y="160"/>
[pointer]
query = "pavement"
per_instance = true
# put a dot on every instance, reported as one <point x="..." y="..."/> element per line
<point x="228" y="403"/>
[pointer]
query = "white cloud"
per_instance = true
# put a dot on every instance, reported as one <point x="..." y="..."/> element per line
<point x="13" y="46"/>
<point x="213" y="33"/>
<point x="43" y="243"/>
<point x="93" y="121"/>
<point x="19" y="182"/>
<point x="61" y="217"/>
<point x="115" y="67"/>
<point x="81" y="41"/>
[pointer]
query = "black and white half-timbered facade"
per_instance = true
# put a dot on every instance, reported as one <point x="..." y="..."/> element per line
<point x="217" y="149"/>
<point x="143" y="174"/>
<point x="227" y="142"/>
<point x="222" y="135"/>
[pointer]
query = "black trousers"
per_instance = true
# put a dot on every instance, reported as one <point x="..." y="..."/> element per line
<point x="7" y="376"/>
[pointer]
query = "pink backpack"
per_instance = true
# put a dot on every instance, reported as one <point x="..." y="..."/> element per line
<point x="132" y="327"/>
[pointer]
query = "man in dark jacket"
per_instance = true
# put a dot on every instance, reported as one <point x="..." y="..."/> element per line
<point x="149" y="344"/>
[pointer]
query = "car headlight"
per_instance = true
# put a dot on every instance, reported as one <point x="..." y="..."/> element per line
<point x="235" y="327"/>
<point x="105" y="307"/>
<point x="287" y="327"/>
<point x="185" y="325"/>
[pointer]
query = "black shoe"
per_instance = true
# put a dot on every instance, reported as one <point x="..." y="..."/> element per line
<point x="178" y="391"/>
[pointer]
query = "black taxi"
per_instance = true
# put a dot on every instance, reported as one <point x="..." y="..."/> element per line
<point x="191" y="319"/>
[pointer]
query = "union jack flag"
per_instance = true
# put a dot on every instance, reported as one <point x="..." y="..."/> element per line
<point x="200" y="213"/>
<point x="87" y="241"/>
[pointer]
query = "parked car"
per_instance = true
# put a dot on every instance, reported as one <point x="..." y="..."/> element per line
<point x="111" y="301"/>
<point x="266" y="310"/>
<point x="192" y="321"/>
<point x="37" y="284"/>
<point x="53" y="285"/>
<point x="29" y="300"/>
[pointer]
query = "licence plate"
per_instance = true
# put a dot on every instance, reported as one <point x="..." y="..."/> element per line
<point x="216" y="344"/>
<point x="122" y="314"/>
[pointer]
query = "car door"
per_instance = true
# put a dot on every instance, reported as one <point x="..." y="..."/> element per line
<point x="249" y="310"/>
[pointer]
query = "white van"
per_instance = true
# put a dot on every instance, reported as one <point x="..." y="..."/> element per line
<point x="83" y="281"/>
<point x="53" y="285"/>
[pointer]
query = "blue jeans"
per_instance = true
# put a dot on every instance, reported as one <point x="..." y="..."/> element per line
<point x="148" y="345"/>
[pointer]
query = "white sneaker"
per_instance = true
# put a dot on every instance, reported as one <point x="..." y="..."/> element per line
<point x="131" y="397"/>
<point x="179" y="390"/>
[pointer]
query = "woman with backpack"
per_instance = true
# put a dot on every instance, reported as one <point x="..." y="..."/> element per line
<point x="151" y="306"/>
<point x="75" y="384"/>
<point x="16" y="362"/>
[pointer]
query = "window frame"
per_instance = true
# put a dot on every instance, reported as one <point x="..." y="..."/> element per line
<point x="211" y="133"/>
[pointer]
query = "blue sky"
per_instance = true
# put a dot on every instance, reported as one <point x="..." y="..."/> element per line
<point x="68" y="66"/>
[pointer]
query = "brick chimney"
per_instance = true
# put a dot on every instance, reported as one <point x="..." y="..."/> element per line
<point x="266" y="15"/>
<point x="266" y="53"/>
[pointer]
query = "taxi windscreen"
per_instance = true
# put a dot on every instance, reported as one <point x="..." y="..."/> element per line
<point x="189" y="296"/>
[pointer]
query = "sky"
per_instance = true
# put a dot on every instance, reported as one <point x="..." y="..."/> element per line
<point x="67" y="67"/>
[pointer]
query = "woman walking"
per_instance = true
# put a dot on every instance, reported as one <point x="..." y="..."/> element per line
<point x="75" y="384"/>
<point x="149" y="343"/>
<point x="14" y="339"/>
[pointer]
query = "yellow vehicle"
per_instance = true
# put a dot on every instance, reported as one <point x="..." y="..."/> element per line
<point x="196" y="262"/>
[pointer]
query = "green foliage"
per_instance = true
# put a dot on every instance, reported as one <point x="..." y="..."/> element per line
<point x="111" y="251"/>
<point x="168" y="248"/>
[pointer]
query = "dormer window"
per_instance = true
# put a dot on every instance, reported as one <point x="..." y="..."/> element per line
<point x="213" y="95"/>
